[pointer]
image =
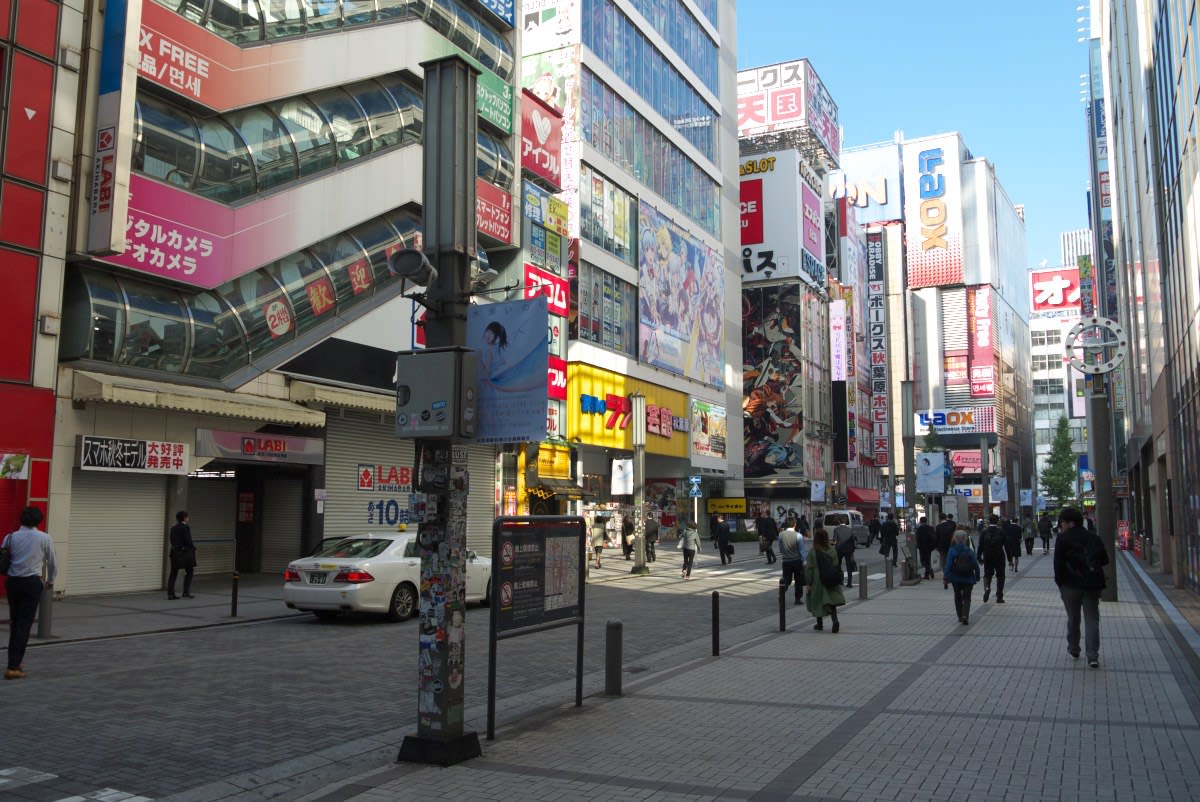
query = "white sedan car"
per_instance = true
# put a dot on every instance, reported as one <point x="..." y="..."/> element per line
<point x="372" y="573"/>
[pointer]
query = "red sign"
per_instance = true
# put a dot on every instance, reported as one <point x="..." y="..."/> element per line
<point x="493" y="211"/>
<point x="752" y="211"/>
<point x="980" y="353"/>
<point x="541" y="140"/>
<point x="556" y="385"/>
<point x="385" y="478"/>
<point x="1055" y="290"/>
<point x="556" y="289"/>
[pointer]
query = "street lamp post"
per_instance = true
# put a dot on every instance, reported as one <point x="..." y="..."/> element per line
<point x="639" y="484"/>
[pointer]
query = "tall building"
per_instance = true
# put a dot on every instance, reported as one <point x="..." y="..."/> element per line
<point x="209" y="307"/>
<point x="957" y="323"/>
<point x="1058" y="388"/>
<point x="1074" y="244"/>
<point x="1148" y="264"/>
<point x="802" y="409"/>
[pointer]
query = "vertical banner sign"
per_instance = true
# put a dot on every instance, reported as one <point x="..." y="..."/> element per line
<point x="837" y="340"/>
<point x="877" y="346"/>
<point x="510" y="339"/>
<point x="980" y="353"/>
<point x="109" y="203"/>
<point x="851" y="381"/>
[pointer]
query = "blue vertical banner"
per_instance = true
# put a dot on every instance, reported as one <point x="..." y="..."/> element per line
<point x="113" y="145"/>
<point x="513" y="373"/>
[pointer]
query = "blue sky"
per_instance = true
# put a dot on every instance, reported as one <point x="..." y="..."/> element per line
<point x="1005" y="75"/>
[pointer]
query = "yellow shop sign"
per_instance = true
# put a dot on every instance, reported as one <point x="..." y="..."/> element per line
<point x="600" y="413"/>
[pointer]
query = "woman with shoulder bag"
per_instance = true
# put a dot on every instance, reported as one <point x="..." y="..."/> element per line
<point x="823" y="600"/>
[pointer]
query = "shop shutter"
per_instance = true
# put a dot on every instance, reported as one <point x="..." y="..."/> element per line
<point x="353" y="439"/>
<point x="212" y="507"/>
<point x="481" y="504"/>
<point x="283" y="522"/>
<point x="118" y="537"/>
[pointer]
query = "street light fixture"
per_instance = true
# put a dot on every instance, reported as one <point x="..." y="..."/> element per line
<point x="638" y="401"/>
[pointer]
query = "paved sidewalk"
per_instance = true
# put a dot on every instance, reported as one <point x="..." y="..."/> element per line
<point x="905" y="703"/>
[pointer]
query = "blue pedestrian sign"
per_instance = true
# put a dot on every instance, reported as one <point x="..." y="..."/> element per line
<point x="694" y="487"/>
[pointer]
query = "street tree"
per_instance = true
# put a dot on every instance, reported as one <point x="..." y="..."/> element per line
<point x="1059" y="476"/>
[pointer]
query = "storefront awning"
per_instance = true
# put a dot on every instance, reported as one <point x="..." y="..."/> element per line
<point x="303" y="392"/>
<point x="861" y="495"/>
<point x="545" y="488"/>
<point x="103" y="388"/>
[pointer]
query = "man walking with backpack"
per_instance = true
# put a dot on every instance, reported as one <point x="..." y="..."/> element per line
<point x="991" y="551"/>
<point x="1079" y="560"/>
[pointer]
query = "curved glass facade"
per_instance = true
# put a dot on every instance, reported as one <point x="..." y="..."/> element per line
<point x="611" y="126"/>
<point x="637" y="62"/>
<point x="110" y="317"/>
<point x="611" y="35"/>
<point x="231" y="157"/>
<point x="250" y="21"/>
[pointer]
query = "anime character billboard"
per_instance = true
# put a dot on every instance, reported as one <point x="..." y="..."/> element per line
<point x="772" y="375"/>
<point x="682" y="287"/>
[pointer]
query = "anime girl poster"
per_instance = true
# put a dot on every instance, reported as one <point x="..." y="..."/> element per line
<point x="513" y="363"/>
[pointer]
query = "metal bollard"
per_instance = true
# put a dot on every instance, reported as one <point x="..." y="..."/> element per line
<point x="612" y="658"/>
<point x="782" y="609"/>
<point x="862" y="581"/>
<point x="233" y="597"/>
<point x="46" y="614"/>
<point x="889" y="574"/>
<point x="716" y="623"/>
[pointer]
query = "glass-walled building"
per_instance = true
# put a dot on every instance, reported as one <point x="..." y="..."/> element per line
<point x="230" y="312"/>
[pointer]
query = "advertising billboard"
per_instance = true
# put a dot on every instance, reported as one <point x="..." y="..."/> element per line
<point x="782" y="227"/>
<point x="772" y="381"/>
<point x="709" y="432"/>
<point x="114" y="127"/>
<point x="933" y="210"/>
<point x="681" y="287"/>
<point x="965" y="420"/>
<point x="981" y="352"/>
<point x="838" y="365"/>
<point x="779" y="97"/>
<point x="869" y="180"/>
<point x="541" y="140"/>
<point x="549" y="24"/>
<point x="1055" y="292"/>
<point x="510" y="339"/>
<point x="877" y="346"/>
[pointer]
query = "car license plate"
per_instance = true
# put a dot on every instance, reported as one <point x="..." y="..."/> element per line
<point x="316" y="579"/>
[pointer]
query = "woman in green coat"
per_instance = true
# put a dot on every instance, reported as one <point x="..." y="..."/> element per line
<point x="822" y="600"/>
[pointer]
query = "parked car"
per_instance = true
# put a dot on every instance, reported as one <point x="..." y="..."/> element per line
<point x="848" y="518"/>
<point x="371" y="573"/>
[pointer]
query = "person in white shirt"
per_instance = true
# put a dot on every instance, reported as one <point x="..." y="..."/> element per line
<point x="32" y="553"/>
<point x="792" y="551"/>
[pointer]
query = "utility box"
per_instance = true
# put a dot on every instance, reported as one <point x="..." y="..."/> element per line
<point x="436" y="393"/>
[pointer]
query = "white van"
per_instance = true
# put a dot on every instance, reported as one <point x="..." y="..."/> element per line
<point x="852" y="519"/>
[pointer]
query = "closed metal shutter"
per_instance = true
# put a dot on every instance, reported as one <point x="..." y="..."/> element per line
<point x="212" y="507"/>
<point x="283" y="521"/>
<point x="118" y="537"/>
<point x="353" y="439"/>
<point x="481" y="504"/>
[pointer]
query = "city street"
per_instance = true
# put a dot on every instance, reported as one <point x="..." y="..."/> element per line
<point x="306" y="702"/>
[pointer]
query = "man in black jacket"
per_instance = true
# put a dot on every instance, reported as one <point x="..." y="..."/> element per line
<point x="991" y="551"/>
<point x="943" y="537"/>
<point x="1012" y="543"/>
<point x="889" y="531"/>
<point x="183" y="555"/>
<point x="769" y="532"/>
<point x="1045" y="530"/>
<point x="926" y="540"/>
<point x="1079" y="560"/>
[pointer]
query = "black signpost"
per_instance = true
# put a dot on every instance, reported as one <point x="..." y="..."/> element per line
<point x="539" y="572"/>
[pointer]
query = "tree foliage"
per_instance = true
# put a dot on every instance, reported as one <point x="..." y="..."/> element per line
<point x="1061" y="471"/>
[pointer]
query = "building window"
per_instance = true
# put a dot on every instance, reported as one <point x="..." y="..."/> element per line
<point x="604" y="310"/>
<point x="606" y="214"/>
<point x="1048" y="387"/>
<point x="1047" y="362"/>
